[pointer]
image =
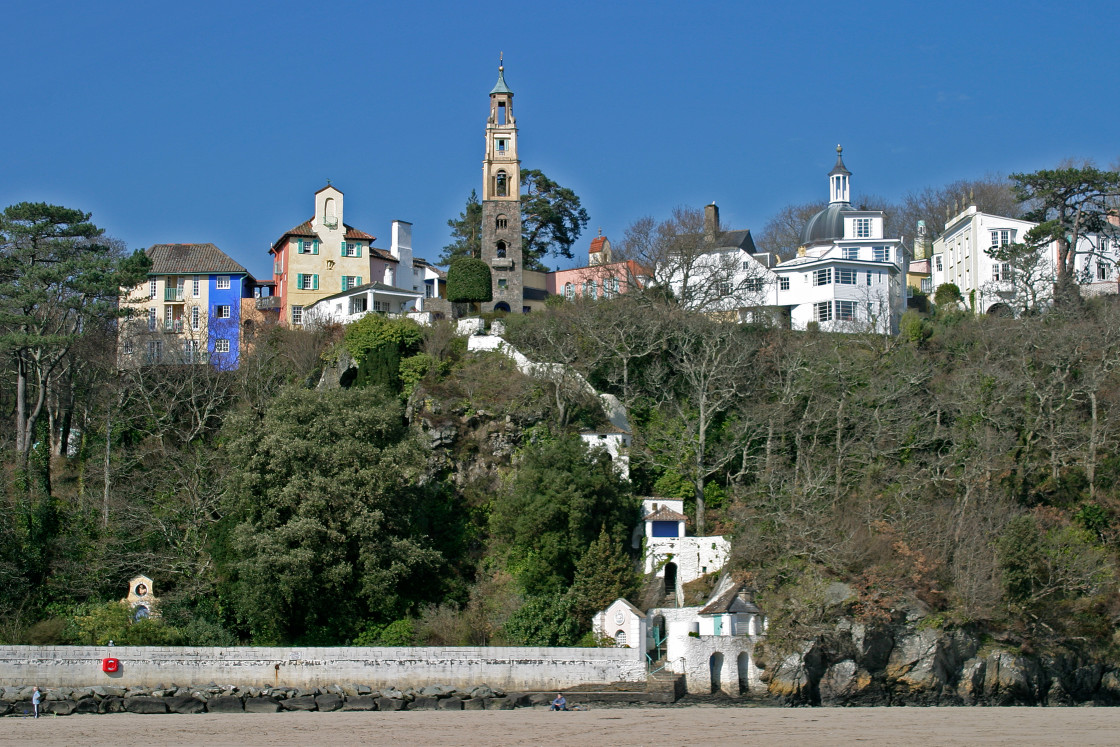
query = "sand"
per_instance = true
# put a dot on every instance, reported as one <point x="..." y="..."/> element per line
<point x="803" y="727"/>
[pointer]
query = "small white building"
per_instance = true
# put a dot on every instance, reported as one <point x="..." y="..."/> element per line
<point x="848" y="276"/>
<point x="351" y="305"/>
<point x="623" y="623"/>
<point x="669" y="554"/>
<point x="615" y="441"/>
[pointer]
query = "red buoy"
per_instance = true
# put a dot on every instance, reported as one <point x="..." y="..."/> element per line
<point x="110" y="665"/>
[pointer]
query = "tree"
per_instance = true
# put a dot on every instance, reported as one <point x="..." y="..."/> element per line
<point x="1071" y="206"/>
<point x="468" y="281"/>
<point x="551" y="222"/>
<point x="57" y="274"/>
<point x="1024" y="283"/>
<point x="322" y="511"/>
<point x="551" y="218"/>
<point x="466" y="230"/>
<point x="990" y="194"/>
<point x="682" y="257"/>
<point x="782" y="233"/>
<point x="604" y="574"/>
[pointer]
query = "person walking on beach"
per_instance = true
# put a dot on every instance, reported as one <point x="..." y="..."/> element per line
<point x="36" y="696"/>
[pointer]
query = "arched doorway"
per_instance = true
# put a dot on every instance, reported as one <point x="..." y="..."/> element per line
<point x="1001" y="310"/>
<point x="715" y="666"/>
<point x="501" y="306"/>
<point x="671" y="579"/>
<point x="744" y="667"/>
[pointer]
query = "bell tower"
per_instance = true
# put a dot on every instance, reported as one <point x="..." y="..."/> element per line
<point x="501" y="201"/>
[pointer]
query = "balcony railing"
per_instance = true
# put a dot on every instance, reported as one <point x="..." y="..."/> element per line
<point x="173" y="294"/>
<point x="173" y="326"/>
<point x="268" y="302"/>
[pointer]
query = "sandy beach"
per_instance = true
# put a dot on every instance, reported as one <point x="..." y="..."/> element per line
<point x="700" y="725"/>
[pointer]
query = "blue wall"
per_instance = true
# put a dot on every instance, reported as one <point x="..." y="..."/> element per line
<point x="229" y="329"/>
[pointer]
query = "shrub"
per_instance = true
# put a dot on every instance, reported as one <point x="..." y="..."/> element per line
<point x="468" y="281"/>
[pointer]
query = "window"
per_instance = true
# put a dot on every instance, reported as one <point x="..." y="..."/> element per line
<point x="190" y="350"/>
<point x="351" y="249"/>
<point x="501" y="222"/>
<point x="822" y="312"/>
<point x="152" y="288"/>
<point x="503" y="143"/>
<point x="850" y="252"/>
<point x="308" y="246"/>
<point x="359" y="305"/>
<point x="501" y="184"/>
<point x="783" y="283"/>
<point x="1001" y="271"/>
<point x="221" y="346"/>
<point x="152" y="319"/>
<point x="381" y="307"/>
<point x="846" y="311"/>
<point x="869" y="277"/>
<point x="593" y="288"/>
<point x="196" y="288"/>
<point x="724" y="288"/>
<point x="822" y="276"/>
<point x="306" y="281"/>
<point x="351" y="281"/>
<point x="428" y="290"/>
<point x="222" y="283"/>
<point x="1001" y="237"/>
<point x="297" y="315"/>
<point x="753" y="285"/>
<point x="194" y="318"/>
<point x="500" y="250"/>
<point x="614" y="285"/>
<point x="221" y="312"/>
<point x="1102" y="269"/>
<point x="881" y="253"/>
<point x="127" y="350"/>
<point x="846" y="277"/>
<point x="927" y="285"/>
<point x="278" y="267"/>
<point x="155" y="351"/>
<point x="503" y="283"/>
<point x="937" y="263"/>
<point x="569" y="290"/>
<point x="863" y="228"/>
<point x="168" y="316"/>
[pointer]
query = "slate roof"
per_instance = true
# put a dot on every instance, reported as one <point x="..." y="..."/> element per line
<point x="732" y="601"/>
<point x="304" y="229"/>
<point x="191" y="259"/>
<point x="665" y="514"/>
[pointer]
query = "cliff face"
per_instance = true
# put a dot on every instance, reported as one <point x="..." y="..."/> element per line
<point x="859" y="665"/>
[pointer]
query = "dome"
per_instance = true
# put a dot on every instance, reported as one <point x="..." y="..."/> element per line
<point x="826" y="225"/>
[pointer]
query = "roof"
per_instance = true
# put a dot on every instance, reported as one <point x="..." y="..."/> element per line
<point x="733" y="600"/>
<point x="500" y="86"/>
<point x="738" y="239"/>
<point x="375" y="287"/>
<point x="304" y="229"/>
<point x="839" y="168"/>
<point x="597" y="244"/>
<point x="665" y="514"/>
<point x="827" y="225"/>
<point x="191" y="259"/>
<point x="381" y="254"/>
<point x="632" y="608"/>
<point x="919" y="266"/>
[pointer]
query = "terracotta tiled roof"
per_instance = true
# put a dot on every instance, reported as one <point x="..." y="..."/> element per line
<point x="665" y="514"/>
<point x="304" y="229"/>
<point x="186" y="259"/>
<point x="380" y="253"/>
<point x="597" y="244"/>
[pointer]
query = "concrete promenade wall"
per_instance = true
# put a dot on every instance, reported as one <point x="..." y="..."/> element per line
<point x="146" y="666"/>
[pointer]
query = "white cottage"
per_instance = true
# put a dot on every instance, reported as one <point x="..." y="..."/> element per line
<point x="623" y="623"/>
<point x="669" y="554"/>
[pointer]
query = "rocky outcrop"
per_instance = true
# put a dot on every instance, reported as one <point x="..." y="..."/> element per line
<point x="906" y="664"/>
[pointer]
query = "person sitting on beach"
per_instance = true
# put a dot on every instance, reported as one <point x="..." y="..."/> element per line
<point x="560" y="704"/>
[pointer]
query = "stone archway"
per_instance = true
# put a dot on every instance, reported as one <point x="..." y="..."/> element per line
<point x="671" y="579"/>
<point x="715" y="667"/>
<point x="501" y="306"/>
<point x="744" y="667"/>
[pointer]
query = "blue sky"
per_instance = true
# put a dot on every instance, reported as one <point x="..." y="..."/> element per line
<point x="204" y="121"/>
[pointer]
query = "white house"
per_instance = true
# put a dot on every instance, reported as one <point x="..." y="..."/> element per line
<point x="848" y="276"/>
<point x="669" y="554"/>
<point x="615" y="441"/>
<point x="960" y="256"/>
<point x="622" y="622"/>
<point x="351" y="305"/>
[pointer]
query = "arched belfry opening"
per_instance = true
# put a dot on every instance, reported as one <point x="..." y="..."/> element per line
<point x="500" y="250"/>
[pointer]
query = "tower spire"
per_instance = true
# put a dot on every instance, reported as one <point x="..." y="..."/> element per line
<point x="838" y="179"/>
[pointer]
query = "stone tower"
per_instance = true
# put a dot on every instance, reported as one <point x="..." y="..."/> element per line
<point x="501" y="202"/>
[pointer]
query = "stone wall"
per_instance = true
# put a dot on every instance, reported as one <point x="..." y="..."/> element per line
<point x="507" y="668"/>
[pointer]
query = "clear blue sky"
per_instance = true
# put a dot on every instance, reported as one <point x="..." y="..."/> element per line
<point x="204" y="121"/>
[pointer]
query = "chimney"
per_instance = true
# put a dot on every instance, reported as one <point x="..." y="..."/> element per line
<point x="401" y="249"/>
<point x="711" y="221"/>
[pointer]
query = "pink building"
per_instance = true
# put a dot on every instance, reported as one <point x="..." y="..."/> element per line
<point x="601" y="278"/>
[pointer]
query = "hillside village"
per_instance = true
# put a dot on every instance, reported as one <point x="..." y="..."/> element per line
<point x="701" y="450"/>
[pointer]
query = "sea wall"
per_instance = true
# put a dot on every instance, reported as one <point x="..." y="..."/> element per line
<point x="148" y="666"/>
